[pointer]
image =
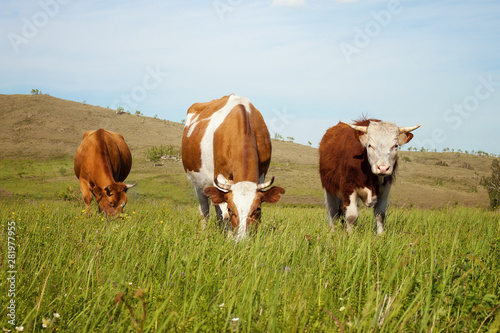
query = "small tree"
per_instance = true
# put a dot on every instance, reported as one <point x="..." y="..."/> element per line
<point x="492" y="184"/>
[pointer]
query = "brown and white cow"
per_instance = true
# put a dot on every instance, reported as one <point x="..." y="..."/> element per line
<point x="226" y="151"/>
<point x="102" y="162"/>
<point x="358" y="161"/>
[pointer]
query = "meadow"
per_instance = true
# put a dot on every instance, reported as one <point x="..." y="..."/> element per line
<point x="436" y="269"/>
<point x="156" y="270"/>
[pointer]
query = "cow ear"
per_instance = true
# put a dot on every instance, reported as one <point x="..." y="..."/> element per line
<point x="272" y="195"/>
<point x="120" y="187"/>
<point x="405" y="138"/>
<point x="216" y="195"/>
<point x="108" y="191"/>
<point x="360" y="133"/>
<point x="363" y="138"/>
<point x="98" y="193"/>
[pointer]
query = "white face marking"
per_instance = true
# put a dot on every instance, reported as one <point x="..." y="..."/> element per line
<point x="381" y="143"/>
<point x="243" y="197"/>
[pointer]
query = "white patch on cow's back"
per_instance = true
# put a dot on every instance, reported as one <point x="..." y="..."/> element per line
<point x="243" y="197"/>
<point x="191" y="122"/>
<point x="207" y="142"/>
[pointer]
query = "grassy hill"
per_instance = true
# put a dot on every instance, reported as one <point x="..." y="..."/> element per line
<point x="39" y="135"/>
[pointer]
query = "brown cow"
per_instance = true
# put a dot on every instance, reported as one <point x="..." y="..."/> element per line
<point x="102" y="162"/>
<point x="226" y="143"/>
<point x="358" y="162"/>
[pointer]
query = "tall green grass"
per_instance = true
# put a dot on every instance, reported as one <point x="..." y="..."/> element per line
<point x="156" y="270"/>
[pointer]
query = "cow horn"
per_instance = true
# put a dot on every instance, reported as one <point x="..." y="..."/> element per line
<point x="131" y="185"/>
<point x="358" y="128"/>
<point x="408" y="129"/>
<point x="224" y="184"/>
<point x="265" y="185"/>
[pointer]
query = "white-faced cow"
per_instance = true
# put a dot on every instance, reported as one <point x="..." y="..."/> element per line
<point x="102" y="162"/>
<point x="358" y="161"/>
<point x="226" y="151"/>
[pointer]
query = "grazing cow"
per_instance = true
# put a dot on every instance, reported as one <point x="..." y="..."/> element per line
<point x="358" y="162"/>
<point x="102" y="162"/>
<point x="226" y="151"/>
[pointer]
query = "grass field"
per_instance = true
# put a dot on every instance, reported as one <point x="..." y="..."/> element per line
<point x="437" y="268"/>
<point x="155" y="270"/>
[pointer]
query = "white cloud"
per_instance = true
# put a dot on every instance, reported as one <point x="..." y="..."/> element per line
<point x="289" y="3"/>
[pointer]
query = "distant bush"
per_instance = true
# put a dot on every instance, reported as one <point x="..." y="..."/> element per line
<point x="442" y="163"/>
<point x="405" y="159"/>
<point x="492" y="184"/>
<point x="467" y="166"/>
<point x="154" y="154"/>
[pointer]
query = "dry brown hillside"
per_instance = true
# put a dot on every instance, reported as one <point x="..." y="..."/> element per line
<point x="41" y="127"/>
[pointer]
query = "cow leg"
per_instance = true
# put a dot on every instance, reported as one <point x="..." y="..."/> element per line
<point x="380" y="207"/>
<point x="333" y="206"/>
<point x="351" y="212"/>
<point x="87" y="195"/>
<point x="204" y="206"/>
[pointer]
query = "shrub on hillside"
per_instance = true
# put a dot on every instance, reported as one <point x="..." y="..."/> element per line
<point x="466" y="165"/>
<point x="154" y="154"/>
<point x="492" y="184"/>
<point x="442" y="163"/>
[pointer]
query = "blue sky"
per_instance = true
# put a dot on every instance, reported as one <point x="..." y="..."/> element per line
<point x="304" y="64"/>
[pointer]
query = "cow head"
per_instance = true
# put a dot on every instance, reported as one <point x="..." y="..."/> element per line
<point x="112" y="198"/>
<point x="243" y="200"/>
<point x="382" y="141"/>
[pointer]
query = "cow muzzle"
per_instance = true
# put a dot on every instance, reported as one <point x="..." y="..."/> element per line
<point x="383" y="170"/>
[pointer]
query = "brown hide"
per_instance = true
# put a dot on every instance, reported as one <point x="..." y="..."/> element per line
<point x="343" y="162"/>
<point x="102" y="162"/>
<point x="191" y="151"/>
<point x="242" y="146"/>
